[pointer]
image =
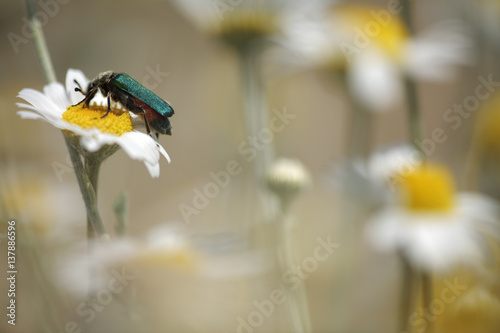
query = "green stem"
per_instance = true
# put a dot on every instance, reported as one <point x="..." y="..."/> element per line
<point x="360" y="133"/>
<point x="40" y="44"/>
<point x="120" y="207"/>
<point x="409" y="288"/>
<point x="414" y="117"/>
<point x="297" y="299"/>
<point x="92" y="167"/>
<point x="87" y="189"/>
<point x="427" y="293"/>
<point x="406" y="14"/>
<point x="256" y="113"/>
<point x="256" y="120"/>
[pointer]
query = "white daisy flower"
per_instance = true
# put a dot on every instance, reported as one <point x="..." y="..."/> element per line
<point x="435" y="228"/>
<point x="239" y="23"/>
<point x="165" y="248"/>
<point x="374" y="49"/>
<point x="386" y="166"/>
<point x="55" y="106"/>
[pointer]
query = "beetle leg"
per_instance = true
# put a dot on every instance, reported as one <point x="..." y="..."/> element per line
<point x="148" y="130"/>
<point x="109" y="104"/>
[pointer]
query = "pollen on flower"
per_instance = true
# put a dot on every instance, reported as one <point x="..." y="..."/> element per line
<point x="428" y="188"/>
<point x="116" y="122"/>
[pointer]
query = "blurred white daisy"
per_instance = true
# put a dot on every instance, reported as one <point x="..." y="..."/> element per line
<point x="240" y="23"/>
<point x="375" y="181"/>
<point x="435" y="228"/>
<point x="167" y="247"/>
<point x="374" y="49"/>
<point x="56" y="106"/>
<point x="386" y="167"/>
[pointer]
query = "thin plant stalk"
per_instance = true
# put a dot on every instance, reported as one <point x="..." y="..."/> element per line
<point x="427" y="292"/>
<point x="297" y="299"/>
<point x="351" y="214"/>
<point x="40" y="44"/>
<point x="256" y="113"/>
<point x="409" y="290"/>
<point x="410" y="280"/>
<point x="87" y="189"/>
<point x="414" y="117"/>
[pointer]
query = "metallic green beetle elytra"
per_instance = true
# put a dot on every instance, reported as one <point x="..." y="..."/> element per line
<point x="136" y="98"/>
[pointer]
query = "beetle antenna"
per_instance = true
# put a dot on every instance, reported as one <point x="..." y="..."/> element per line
<point x="79" y="87"/>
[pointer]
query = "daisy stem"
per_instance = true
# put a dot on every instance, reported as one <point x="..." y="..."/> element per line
<point x="406" y="14"/>
<point x="408" y="290"/>
<point x="360" y="131"/>
<point x="427" y="292"/>
<point x="40" y="44"/>
<point x="87" y="189"/>
<point x="296" y="299"/>
<point x="414" y="117"/>
<point x="257" y="119"/>
<point x="92" y="167"/>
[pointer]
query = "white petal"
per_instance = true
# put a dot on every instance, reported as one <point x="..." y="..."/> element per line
<point x="375" y="81"/>
<point x="435" y="54"/>
<point x="43" y="105"/>
<point x="56" y="93"/>
<point x="26" y="106"/>
<point x="163" y="152"/>
<point x="71" y="76"/>
<point x="434" y="242"/>
<point x="30" y="115"/>
<point x="140" y="146"/>
<point x="154" y="169"/>
<point x="386" y="163"/>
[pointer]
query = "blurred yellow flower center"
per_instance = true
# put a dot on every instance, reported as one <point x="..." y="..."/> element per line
<point x="186" y="259"/>
<point x="240" y="28"/>
<point x="116" y="122"/>
<point x="363" y="27"/>
<point x="428" y="188"/>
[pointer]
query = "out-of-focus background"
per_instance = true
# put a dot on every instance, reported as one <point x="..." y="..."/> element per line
<point x="200" y="78"/>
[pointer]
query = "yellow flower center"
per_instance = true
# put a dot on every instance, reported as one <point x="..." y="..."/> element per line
<point x="185" y="259"/>
<point x="240" y="28"/>
<point x="428" y="188"/>
<point x="363" y="27"/>
<point x="116" y="122"/>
